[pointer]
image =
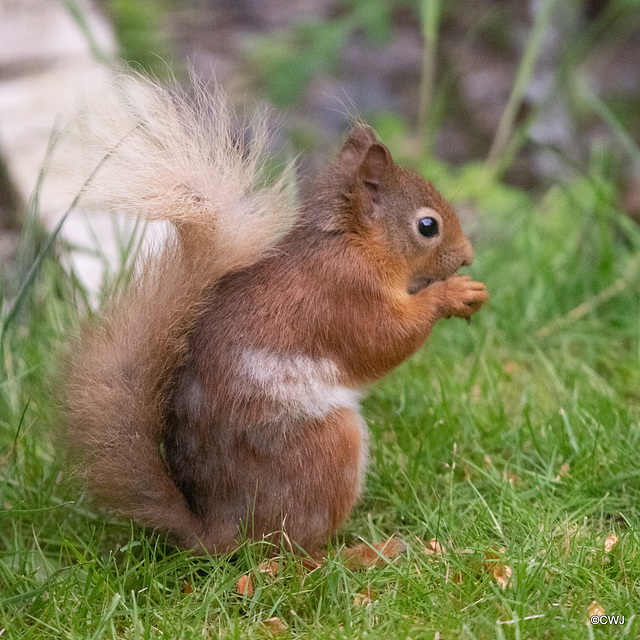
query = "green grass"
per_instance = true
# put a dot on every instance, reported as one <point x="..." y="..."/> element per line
<point x="469" y="441"/>
<point x="513" y="441"/>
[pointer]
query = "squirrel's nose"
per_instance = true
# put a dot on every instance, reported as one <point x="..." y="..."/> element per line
<point x="467" y="254"/>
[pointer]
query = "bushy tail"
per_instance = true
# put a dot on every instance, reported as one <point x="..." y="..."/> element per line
<point x="175" y="158"/>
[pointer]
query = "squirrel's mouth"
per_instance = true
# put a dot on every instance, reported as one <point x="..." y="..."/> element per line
<point x="418" y="283"/>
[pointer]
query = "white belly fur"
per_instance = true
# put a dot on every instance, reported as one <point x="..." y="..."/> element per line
<point x="301" y="388"/>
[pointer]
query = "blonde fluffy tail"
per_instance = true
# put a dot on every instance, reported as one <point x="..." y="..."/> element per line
<point x="175" y="158"/>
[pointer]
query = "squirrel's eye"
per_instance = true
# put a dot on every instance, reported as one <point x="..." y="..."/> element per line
<point x="428" y="227"/>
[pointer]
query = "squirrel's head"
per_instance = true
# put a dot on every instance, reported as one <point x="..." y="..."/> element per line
<point x="398" y="213"/>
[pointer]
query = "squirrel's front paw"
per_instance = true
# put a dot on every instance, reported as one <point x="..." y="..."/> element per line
<point x="462" y="296"/>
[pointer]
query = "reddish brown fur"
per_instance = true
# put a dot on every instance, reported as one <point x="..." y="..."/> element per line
<point x="336" y="289"/>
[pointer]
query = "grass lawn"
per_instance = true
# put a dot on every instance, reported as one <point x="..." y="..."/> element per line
<point x="513" y="441"/>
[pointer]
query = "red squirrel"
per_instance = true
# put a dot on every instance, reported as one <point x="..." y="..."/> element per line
<point x="218" y="397"/>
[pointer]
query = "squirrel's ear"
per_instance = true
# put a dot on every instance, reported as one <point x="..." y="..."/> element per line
<point x="359" y="140"/>
<point x="374" y="169"/>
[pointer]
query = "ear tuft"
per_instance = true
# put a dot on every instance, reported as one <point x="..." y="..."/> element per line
<point x="359" y="140"/>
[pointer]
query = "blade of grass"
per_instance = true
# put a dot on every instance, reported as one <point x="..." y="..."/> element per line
<point x="33" y="271"/>
<point x="496" y="524"/>
<point x="430" y="11"/>
<point x="619" y="286"/>
<point x="623" y="137"/>
<point x="76" y="12"/>
<point x="31" y="230"/>
<point x="525" y="70"/>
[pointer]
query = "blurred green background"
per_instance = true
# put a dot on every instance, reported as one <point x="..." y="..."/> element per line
<point x="434" y="78"/>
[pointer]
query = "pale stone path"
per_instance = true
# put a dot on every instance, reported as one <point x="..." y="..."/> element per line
<point x="47" y="71"/>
